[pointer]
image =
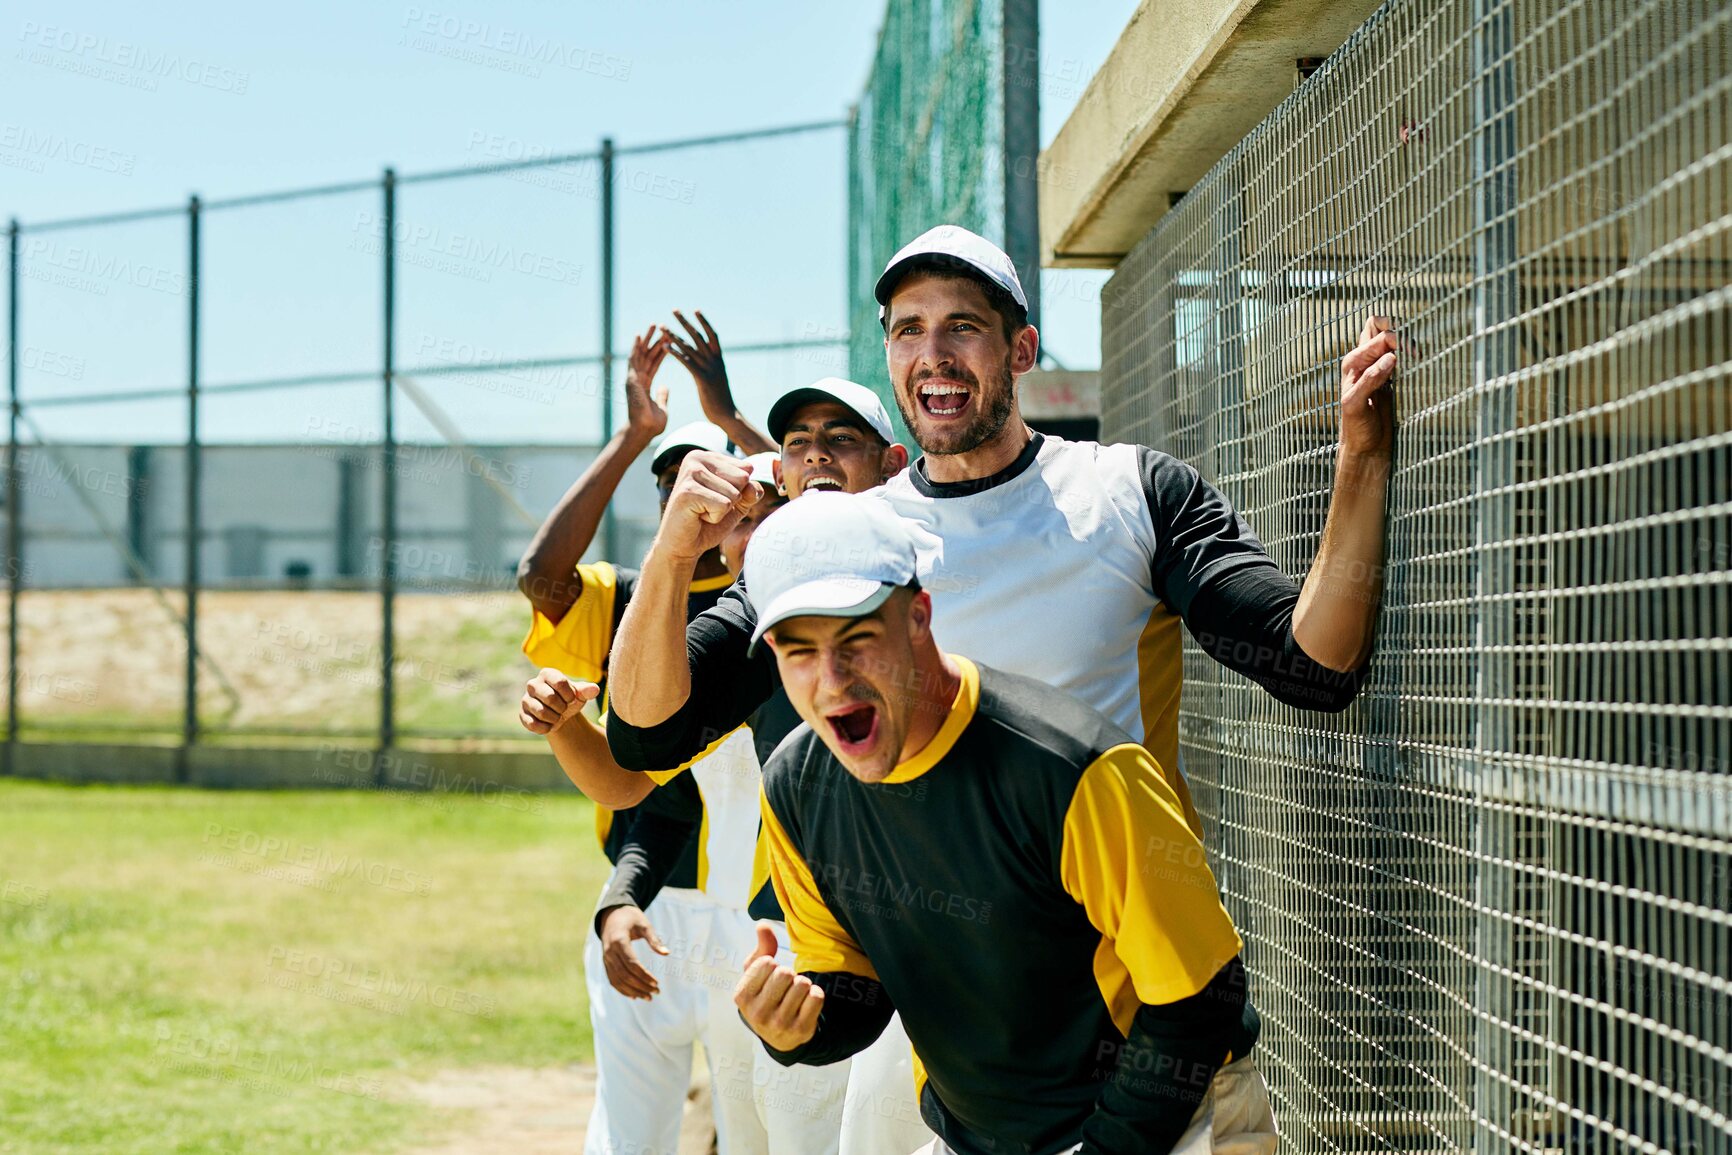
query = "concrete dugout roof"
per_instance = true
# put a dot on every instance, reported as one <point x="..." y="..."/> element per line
<point x="1186" y="80"/>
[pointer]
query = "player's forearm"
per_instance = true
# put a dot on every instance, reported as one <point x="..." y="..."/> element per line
<point x="741" y="432"/>
<point x="650" y="675"/>
<point x="544" y="573"/>
<point x="646" y="861"/>
<point x="1162" y="1071"/>
<point x="580" y="748"/>
<point x="1337" y="611"/>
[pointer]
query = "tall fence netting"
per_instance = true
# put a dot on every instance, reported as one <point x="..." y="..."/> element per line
<point x="1487" y="907"/>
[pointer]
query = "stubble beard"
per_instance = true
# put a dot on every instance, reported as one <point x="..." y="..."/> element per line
<point x="988" y="423"/>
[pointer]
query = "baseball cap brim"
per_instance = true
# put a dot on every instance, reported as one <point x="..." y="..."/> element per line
<point x="789" y="403"/>
<point x="824" y="598"/>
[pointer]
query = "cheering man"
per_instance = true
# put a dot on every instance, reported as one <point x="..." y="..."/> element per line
<point x="999" y="863"/>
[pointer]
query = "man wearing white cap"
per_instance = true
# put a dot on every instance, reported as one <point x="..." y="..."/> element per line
<point x="836" y="436"/>
<point x="1072" y="562"/>
<point x="643" y="1046"/>
<point x="997" y="861"/>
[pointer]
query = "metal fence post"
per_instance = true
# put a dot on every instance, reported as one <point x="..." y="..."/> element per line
<point x="610" y="523"/>
<point x="388" y="495"/>
<point x="1495" y="303"/>
<point x="194" y="514"/>
<point x="14" y="525"/>
<point x="1021" y="46"/>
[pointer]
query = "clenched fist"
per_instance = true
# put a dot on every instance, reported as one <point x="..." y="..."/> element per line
<point x="551" y="699"/>
<point x="779" y="1005"/>
<point x="711" y="494"/>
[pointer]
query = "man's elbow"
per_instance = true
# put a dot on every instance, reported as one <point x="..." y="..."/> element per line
<point x="1325" y="691"/>
<point x="622" y="796"/>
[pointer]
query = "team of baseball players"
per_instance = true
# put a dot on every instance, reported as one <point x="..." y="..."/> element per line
<point x="893" y="794"/>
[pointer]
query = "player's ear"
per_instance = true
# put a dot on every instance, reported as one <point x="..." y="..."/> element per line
<point x="1024" y="349"/>
<point x="895" y="460"/>
<point x="920" y="616"/>
<point x="776" y="472"/>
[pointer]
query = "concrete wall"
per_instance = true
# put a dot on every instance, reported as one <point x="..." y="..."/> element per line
<point x="327" y="765"/>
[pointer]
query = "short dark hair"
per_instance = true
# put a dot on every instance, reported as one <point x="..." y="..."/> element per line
<point x="1011" y="316"/>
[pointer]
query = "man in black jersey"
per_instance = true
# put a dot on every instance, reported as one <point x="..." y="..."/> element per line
<point x="996" y="861"/>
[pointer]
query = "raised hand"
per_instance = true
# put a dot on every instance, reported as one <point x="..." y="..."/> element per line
<point x="620" y="927"/>
<point x="1367" y="399"/>
<point x="702" y="357"/>
<point x="779" y="1005"/>
<point x="646" y="408"/>
<point x="711" y="494"/>
<point x="551" y="699"/>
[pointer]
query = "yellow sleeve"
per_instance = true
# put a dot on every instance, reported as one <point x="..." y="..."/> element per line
<point x="820" y="944"/>
<point x="578" y="643"/>
<point x="1131" y="860"/>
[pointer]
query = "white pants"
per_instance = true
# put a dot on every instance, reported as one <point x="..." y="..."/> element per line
<point x="882" y="1116"/>
<point x="798" y="1107"/>
<point x="1234" y="1119"/>
<point x="643" y="1049"/>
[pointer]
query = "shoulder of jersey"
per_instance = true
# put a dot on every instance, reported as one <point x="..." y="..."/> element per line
<point x="793" y="751"/>
<point x="1067" y="727"/>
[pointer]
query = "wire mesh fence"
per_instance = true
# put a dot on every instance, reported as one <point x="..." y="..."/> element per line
<point x="1488" y="907"/>
<point x="273" y="458"/>
<point x="946" y="132"/>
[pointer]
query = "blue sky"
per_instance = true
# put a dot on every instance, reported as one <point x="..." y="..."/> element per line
<point x="111" y="107"/>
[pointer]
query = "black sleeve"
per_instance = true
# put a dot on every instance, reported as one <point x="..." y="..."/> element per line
<point x="1166" y="1065"/>
<point x="727" y="685"/>
<point x="669" y="817"/>
<point x="856" y="1010"/>
<point x="1235" y="601"/>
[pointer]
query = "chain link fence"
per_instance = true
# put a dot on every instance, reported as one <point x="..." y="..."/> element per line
<point x="1488" y="907"/>
<point x="273" y="458"/>
<point x="946" y="132"/>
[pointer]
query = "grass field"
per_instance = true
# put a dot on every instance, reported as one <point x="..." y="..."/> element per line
<point x="195" y="971"/>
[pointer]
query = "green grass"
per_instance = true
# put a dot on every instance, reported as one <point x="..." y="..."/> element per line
<point x="193" y="971"/>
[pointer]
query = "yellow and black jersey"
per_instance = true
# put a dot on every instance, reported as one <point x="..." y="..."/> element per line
<point x="578" y="644"/>
<point x="1027" y="892"/>
<point x="649" y="856"/>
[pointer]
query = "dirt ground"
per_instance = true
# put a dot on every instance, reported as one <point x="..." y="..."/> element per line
<point x="520" y="1111"/>
<point x="298" y="659"/>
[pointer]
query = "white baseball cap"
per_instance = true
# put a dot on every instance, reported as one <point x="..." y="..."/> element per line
<point x="763" y="468"/>
<point x="829" y="554"/>
<point x="866" y="405"/>
<point x="697" y="435"/>
<point x="956" y="247"/>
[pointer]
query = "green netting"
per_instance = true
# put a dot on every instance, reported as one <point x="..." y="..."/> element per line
<point x="926" y="148"/>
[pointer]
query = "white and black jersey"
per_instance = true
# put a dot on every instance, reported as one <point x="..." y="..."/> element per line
<point x="1074" y="565"/>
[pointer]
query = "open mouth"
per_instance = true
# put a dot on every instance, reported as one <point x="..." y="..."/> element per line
<point x="821" y="481"/>
<point x="943" y="399"/>
<point x="854" y="726"/>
